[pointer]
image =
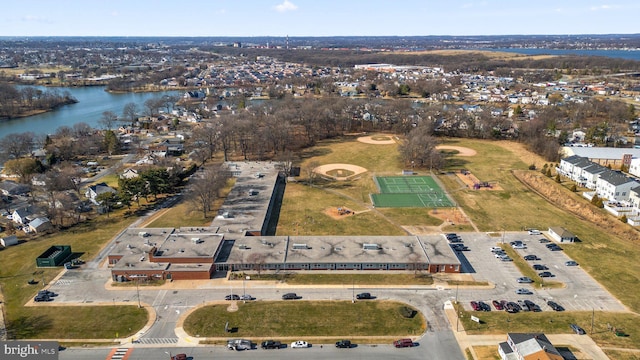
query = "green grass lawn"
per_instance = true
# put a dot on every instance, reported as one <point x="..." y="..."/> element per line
<point x="552" y="322"/>
<point x="346" y="279"/>
<point x="305" y="318"/>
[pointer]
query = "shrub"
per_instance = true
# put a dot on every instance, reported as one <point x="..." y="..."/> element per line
<point x="558" y="178"/>
<point x="623" y="218"/>
<point x="532" y="167"/>
<point x="573" y="188"/>
<point x="407" y="312"/>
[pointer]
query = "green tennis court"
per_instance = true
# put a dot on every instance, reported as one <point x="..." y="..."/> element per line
<point x="409" y="191"/>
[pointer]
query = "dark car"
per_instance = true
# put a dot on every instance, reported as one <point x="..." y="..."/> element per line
<point x="47" y="293"/>
<point x="512" y="307"/>
<point x="555" y="306"/>
<point x="343" y="344"/>
<point x="577" y="329"/>
<point x="545" y="274"/>
<point x="540" y="267"/>
<point x="232" y="297"/>
<point x="271" y="344"/>
<point x="531" y="257"/>
<point x="40" y="298"/>
<point x="498" y="304"/>
<point x="364" y="296"/>
<point x="543" y="241"/>
<point x="484" y="306"/>
<point x="533" y="307"/>
<point x="475" y="306"/>
<point x="290" y="296"/>
<point x="459" y="247"/>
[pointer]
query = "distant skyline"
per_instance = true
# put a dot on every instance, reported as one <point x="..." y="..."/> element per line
<point x="279" y="18"/>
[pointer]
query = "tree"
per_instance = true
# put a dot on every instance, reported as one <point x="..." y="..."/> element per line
<point x="108" y="120"/>
<point x="111" y="142"/>
<point x="205" y="188"/>
<point x="310" y="170"/>
<point x="419" y="148"/>
<point x="106" y="200"/>
<point x="130" y="112"/>
<point x="24" y="168"/>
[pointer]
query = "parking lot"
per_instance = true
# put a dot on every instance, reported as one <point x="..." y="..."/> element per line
<point x="579" y="291"/>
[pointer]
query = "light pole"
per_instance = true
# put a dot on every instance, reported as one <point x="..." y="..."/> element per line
<point x="353" y="291"/>
<point x="593" y="316"/>
<point x="138" y="292"/>
<point x="457" y="293"/>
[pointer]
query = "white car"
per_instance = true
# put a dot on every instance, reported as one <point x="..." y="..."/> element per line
<point x="534" y="232"/>
<point x="495" y="248"/>
<point x="299" y="344"/>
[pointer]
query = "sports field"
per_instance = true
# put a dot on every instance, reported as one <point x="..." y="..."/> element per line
<point x="409" y="191"/>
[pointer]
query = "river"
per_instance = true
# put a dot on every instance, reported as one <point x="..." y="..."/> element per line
<point x="612" y="53"/>
<point x="92" y="102"/>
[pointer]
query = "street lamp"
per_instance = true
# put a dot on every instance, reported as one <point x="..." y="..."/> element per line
<point x="138" y="292"/>
<point x="353" y="291"/>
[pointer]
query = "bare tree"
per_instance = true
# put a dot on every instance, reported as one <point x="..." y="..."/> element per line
<point x="108" y="120"/>
<point x="205" y="189"/>
<point x="130" y="112"/>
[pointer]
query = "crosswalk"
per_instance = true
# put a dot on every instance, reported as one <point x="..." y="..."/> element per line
<point x="64" y="282"/>
<point x="118" y="354"/>
<point x="157" y="341"/>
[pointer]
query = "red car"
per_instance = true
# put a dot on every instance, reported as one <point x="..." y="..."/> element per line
<point x="475" y="306"/>
<point x="180" y="357"/>
<point x="498" y="304"/>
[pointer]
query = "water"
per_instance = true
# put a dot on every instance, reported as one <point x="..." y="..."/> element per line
<point x="620" y="54"/>
<point x="92" y="102"/>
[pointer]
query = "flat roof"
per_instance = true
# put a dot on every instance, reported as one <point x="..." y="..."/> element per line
<point x="342" y="249"/>
<point x="245" y="207"/>
<point x="600" y="152"/>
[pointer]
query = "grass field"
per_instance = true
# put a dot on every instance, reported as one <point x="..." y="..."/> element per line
<point x="409" y="191"/>
<point x="305" y="318"/>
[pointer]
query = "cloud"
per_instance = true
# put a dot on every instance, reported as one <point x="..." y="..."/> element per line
<point x="35" y="18"/>
<point x="286" y="6"/>
<point x="602" y="7"/>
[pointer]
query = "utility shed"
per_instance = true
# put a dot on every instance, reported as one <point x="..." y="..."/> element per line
<point x="54" y="256"/>
<point x="9" y="241"/>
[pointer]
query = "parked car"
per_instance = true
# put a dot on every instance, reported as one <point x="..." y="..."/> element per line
<point x="555" y="306"/>
<point x="459" y="247"/>
<point x="571" y="263"/>
<point x="540" y="267"/>
<point x="343" y="344"/>
<point x="475" y="306"/>
<point x="495" y="248"/>
<point x="533" y="307"/>
<point x="534" y="232"/>
<point x="525" y="280"/>
<point x="519" y="246"/>
<point x="545" y="274"/>
<point x="290" y="296"/>
<point x="543" y="241"/>
<point x="512" y="307"/>
<point x="48" y="293"/>
<point x="499" y="305"/>
<point x="179" y="357"/>
<point x="239" y="344"/>
<point x="523" y="291"/>
<point x="531" y="257"/>
<point x="516" y="242"/>
<point x="300" y="344"/>
<point x="505" y="258"/>
<point x="232" y="297"/>
<point x="39" y="298"/>
<point x="364" y="296"/>
<point x="577" y="329"/>
<point x="403" y="343"/>
<point x="499" y="254"/>
<point x="523" y="306"/>
<point x="246" y="297"/>
<point x="553" y="247"/>
<point x="484" y="306"/>
<point x="271" y="344"/>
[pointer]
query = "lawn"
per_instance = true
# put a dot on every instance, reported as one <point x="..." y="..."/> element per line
<point x="62" y="322"/>
<point x="346" y="279"/>
<point x="551" y="322"/>
<point x="301" y="318"/>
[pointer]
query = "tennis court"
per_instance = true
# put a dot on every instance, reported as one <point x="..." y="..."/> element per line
<point x="409" y="191"/>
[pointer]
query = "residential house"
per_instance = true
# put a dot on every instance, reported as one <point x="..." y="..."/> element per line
<point x="634" y="201"/>
<point x="528" y="346"/>
<point x="23" y="215"/>
<point x="634" y="167"/>
<point x="11" y="188"/>
<point x="572" y="166"/>
<point x="40" y="224"/>
<point x="615" y="186"/>
<point x="94" y="190"/>
<point x="130" y="173"/>
<point x="561" y="234"/>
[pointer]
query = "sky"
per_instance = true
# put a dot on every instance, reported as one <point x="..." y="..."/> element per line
<point x="247" y="18"/>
